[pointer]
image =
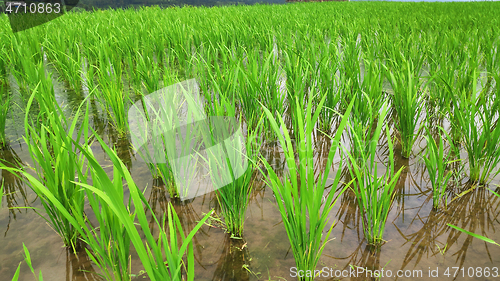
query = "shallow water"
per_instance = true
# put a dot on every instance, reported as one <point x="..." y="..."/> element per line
<point x="418" y="238"/>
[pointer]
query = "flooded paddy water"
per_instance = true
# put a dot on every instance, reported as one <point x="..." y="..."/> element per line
<point x="232" y="52"/>
<point x="418" y="240"/>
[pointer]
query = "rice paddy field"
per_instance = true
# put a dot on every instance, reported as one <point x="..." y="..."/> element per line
<point x="368" y="132"/>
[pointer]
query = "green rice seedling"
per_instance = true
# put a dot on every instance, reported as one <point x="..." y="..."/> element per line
<point x="408" y="103"/>
<point x="134" y="81"/>
<point x="302" y="202"/>
<point x="329" y="83"/>
<point x="68" y="61"/>
<point x="249" y="83"/>
<point x="108" y="240"/>
<point x="26" y="65"/>
<point x="159" y="169"/>
<point x="298" y="76"/>
<point x="350" y="65"/>
<point x="361" y="129"/>
<point x="57" y="164"/>
<point x="261" y="77"/>
<point x="460" y="80"/>
<point x="162" y="258"/>
<point x="233" y="198"/>
<point x="170" y="125"/>
<point x="165" y="171"/>
<point x="4" y="110"/>
<point x="472" y="114"/>
<point x="149" y="71"/>
<point x="436" y="162"/>
<point x="407" y="48"/>
<point x="27" y="259"/>
<point x="495" y="106"/>
<point x="113" y="95"/>
<point x="88" y="84"/>
<point x="372" y="85"/>
<point x="374" y="194"/>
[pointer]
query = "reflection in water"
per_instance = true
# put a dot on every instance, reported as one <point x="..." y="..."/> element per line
<point x="402" y="190"/>
<point x="348" y="215"/>
<point x="369" y="260"/>
<point x="79" y="267"/>
<point x="476" y="211"/>
<point x="158" y="202"/>
<point x="422" y="241"/>
<point x="189" y="217"/>
<point x="124" y="149"/>
<point x="14" y="188"/>
<point x="367" y="257"/>
<point x="272" y="152"/>
<point x="233" y="263"/>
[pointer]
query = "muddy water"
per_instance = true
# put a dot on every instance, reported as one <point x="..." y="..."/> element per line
<point x="418" y="238"/>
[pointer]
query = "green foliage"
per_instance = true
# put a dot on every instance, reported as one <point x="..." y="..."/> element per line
<point x="436" y="163"/>
<point x="302" y="202"/>
<point x="234" y="197"/>
<point x="27" y="259"/>
<point x="241" y="57"/>
<point x="4" y="111"/>
<point x="408" y="104"/>
<point x="162" y="258"/>
<point x="57" y="164"/>
<point x="472" y="113"/>
<point x="375" y="194"/>
<point x="1" y="194"/>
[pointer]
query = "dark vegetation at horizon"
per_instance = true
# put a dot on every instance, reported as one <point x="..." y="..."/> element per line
<point x="104" y="4"/>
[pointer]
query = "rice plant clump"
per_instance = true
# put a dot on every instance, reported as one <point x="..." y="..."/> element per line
<point x="408" y="103"/>
<point x="234" y="197"/>
<point x="374" y="194"/>
<point x="58" y="164"/>
<point x="472" y="113"/>
<point x="436" y="162"/>
<point x="163" y="257"/>
<point x="302" y="202"/>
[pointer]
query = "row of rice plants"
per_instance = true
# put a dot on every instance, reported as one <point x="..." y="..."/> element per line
<point x="407" y="100"/>
<point x="139" y="46"/>
<point x="375" y="194"/>
<point x="474" y="114"/>
<point x="364" y="89"/>
<point x="68" y="60"/>
<point x="301" y="196"/>
<point x="61" y="176"/>
<point x="437" y="163"/>
<point x="57" y="163"/>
